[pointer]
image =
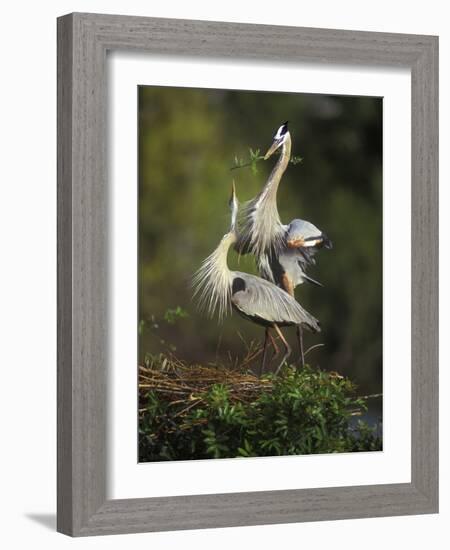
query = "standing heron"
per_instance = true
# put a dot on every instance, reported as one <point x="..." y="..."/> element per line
<point x="254" y="298"/>
<point x="283" y="252"/>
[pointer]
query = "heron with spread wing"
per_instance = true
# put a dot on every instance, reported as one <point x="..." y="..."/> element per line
<point x="256" y="299"/>
<point x="283" y="252"/>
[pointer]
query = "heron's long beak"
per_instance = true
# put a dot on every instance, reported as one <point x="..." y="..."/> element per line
<point x="276" y="143"/>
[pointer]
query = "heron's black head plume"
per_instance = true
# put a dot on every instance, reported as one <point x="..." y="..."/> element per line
<point x="282" y="130"/>
<point x="279" y="139"/>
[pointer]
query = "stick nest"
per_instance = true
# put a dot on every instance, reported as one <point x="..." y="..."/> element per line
<point x="181" y="384"/>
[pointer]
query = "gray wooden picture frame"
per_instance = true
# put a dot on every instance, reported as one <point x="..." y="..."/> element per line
<point x="83" y="42"/>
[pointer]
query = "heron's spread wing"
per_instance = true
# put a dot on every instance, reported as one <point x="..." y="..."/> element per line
<point x="256" y="297"/>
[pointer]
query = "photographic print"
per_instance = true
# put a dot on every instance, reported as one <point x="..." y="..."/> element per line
<point x="260" y="274"/>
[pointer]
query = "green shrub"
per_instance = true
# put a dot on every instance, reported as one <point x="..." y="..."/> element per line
<point x="298" y="412"/>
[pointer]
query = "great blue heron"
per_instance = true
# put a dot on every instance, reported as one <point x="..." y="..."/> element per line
<point x="254" y="298"/>
<point x="283" y="252"/>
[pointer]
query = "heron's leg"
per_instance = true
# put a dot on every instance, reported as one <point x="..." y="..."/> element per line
<point x="276" y="350"/>
<point x="299" y="332"/>
<point x="288" y="348"/>
<point x="264" y="357"/>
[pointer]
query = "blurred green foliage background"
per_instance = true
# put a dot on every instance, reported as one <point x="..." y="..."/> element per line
<point x="188" y="140"/>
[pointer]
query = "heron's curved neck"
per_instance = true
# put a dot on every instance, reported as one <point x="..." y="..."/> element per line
<point x="267" y="229"/>
<point x="220" y="274"/>
<point x="280" y="166"/>
<point x="221" y="253"/>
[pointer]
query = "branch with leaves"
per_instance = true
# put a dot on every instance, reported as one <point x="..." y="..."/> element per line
<point x="254" y="158"/>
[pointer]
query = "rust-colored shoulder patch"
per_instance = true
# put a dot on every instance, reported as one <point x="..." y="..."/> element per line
<point x="295" y="243"/>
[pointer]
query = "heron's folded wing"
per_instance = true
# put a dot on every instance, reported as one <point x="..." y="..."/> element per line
<point x="266" y="301"/>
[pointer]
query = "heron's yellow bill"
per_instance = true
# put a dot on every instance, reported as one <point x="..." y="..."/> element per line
<point x="272" y="148"/>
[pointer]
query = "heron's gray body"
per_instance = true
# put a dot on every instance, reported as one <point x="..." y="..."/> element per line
<point x="288" y="265"/>
<point x="266" y="304"/>
<point x="289" y="262"/>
